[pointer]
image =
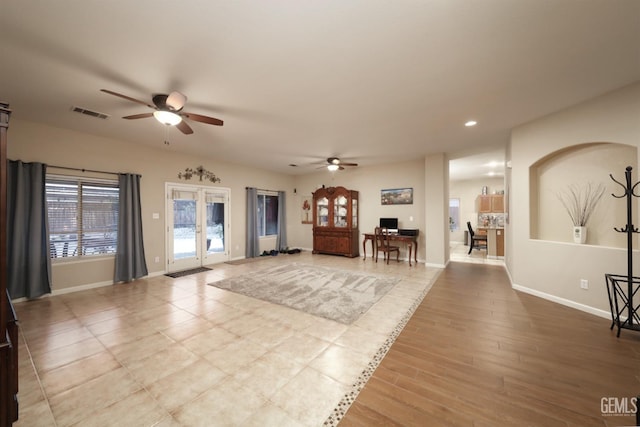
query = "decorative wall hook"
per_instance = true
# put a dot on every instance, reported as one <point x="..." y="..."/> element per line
<point x="200" y="172"/>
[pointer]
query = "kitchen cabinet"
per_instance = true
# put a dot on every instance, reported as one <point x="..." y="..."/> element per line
<point x="335" y="221"/>
<point x="490" y="203"/>
<point x="495" y="241"/>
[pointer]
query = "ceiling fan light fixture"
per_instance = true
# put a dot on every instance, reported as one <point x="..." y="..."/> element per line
<point x="333" y="167"/>
<point x="167" y="117"/>
<point x="176" y="100"/>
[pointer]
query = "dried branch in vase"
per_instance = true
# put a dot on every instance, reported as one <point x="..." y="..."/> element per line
<point x="581" y="201"/>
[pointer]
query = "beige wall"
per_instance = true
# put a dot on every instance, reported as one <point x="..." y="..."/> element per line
<point x="576" y="167"/>
<point x="553" y="268"/>
<point x="368" y="181"/>
<point x="437" y="209"/>
<point x="35" y="142"/>
<point x="467" y="191"/>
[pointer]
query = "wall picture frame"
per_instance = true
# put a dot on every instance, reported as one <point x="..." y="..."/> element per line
<point x="305" y="210"/>
<point x="396" y="196"/>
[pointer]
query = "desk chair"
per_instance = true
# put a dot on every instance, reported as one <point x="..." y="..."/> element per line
<point x="381" y="243"/>
<point x="477" y="241"/>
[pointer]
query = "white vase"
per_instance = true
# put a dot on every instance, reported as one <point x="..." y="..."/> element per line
<point x="579" y="234"/>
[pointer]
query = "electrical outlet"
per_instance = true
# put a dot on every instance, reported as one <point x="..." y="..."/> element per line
<point x="584" y="284"/>
<point x="157" y="259"/>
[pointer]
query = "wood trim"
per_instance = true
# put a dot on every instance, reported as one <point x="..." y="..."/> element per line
<point x="8" y="324"/>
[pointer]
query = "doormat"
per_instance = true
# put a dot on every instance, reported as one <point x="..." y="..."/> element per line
<point x="187" y="272"/>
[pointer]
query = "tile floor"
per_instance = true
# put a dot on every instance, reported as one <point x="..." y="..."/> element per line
<point x="177" y="352"/>
<point x="459" y="253"/>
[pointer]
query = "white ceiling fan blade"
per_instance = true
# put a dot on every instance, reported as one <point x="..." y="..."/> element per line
<point x="176" y="100"/>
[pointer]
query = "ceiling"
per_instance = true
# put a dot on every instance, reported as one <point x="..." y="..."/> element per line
<point x="295" y="82"/>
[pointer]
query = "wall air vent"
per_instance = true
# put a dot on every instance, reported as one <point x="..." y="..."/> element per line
<point x="91" y="113"/>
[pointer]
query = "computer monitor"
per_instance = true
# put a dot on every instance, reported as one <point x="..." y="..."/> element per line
<point x="390" y="223"/>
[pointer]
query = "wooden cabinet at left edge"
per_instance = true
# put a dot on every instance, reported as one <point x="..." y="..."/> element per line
<point x="335" y="222"/>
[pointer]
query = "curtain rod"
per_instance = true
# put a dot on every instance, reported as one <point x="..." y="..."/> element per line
<point x="82" y="170"/>
<point x="263" y="189"/>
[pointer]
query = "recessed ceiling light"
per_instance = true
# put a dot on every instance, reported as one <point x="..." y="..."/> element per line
<point x="471" y="123"/>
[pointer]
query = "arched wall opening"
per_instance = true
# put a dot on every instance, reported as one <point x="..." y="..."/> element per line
<point x="577" y="166"/>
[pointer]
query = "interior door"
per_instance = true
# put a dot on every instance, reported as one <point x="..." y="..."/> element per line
<point x="197" y="226"/>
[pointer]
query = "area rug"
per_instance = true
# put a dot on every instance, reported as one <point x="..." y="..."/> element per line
<point x="338" y="295"/>
<point x="244" y="261"/>
<point x="187" y="272"/>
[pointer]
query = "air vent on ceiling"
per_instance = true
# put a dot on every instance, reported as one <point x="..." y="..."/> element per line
<point x="91" y="113"/>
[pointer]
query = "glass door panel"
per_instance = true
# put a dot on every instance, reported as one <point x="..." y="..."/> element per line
<point x="323" y="212"/>
<point x="183" y="230"/>
<point x="197" y="226"/>
<point x="354" y="213"/>
<point x="216" y="212"/>
<point x="340" y="212"/>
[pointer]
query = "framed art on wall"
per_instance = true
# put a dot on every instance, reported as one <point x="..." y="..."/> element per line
<point x="396" y="196"/>
<point x="305" y="210"/>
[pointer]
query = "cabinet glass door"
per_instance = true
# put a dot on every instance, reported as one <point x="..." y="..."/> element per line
<point x="340" y="212"/>
<point x="322" y="206"/>
<point x="354" y="213"/>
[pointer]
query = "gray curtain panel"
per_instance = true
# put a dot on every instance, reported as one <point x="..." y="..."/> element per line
<point x="28" y="262"/>
<point x="130" y="260"/>
<point x="252" y="242"/>
<point x="281" y="239"/>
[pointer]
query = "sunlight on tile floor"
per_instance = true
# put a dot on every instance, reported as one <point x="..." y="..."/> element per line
<point x="177" y="352"/>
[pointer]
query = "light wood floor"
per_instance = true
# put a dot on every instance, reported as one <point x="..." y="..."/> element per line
<point x="478" y="353"/>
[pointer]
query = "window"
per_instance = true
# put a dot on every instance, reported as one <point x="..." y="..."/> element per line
<point x="83" y="216"/>
<point x="267" y="214"/>
<point x="454" y="214"/>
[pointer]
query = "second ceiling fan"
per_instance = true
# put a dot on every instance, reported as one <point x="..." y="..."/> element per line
<point x="168" y="110"/>
<point x="334" y="164"/>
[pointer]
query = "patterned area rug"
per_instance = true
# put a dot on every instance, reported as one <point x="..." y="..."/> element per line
<point x="244" y="261"/>
<point x="187" y="272"/>
<point x="337" y="295"/>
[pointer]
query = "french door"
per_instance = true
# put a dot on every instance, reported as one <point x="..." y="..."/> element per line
<point x="197" y="226"/>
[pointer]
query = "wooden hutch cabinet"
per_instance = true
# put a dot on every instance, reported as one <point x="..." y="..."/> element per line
<point x="335" y="221"/>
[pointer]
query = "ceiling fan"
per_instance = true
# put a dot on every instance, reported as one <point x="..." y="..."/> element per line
<point x="168" y="111"/>
<point x="334" y="164"/>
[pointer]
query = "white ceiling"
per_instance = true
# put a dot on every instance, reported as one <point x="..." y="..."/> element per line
<point x="295" y="82"/>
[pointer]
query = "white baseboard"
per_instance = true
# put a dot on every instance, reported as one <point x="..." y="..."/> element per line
<point x="96" y="285"/>
<point x="566" y="302"/>
<point x="84" y="287"/>
<point x="81" y="288"/>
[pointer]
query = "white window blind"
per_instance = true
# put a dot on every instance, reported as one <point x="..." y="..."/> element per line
<point x="184" y="195"/>
<point x="83" y="216"/>
<point x="216" y="197"/>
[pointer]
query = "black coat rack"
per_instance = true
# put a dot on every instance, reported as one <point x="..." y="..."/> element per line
<point x="621" y="299"/>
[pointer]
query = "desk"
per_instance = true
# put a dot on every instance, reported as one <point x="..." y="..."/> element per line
<point x="411" y="241"/>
